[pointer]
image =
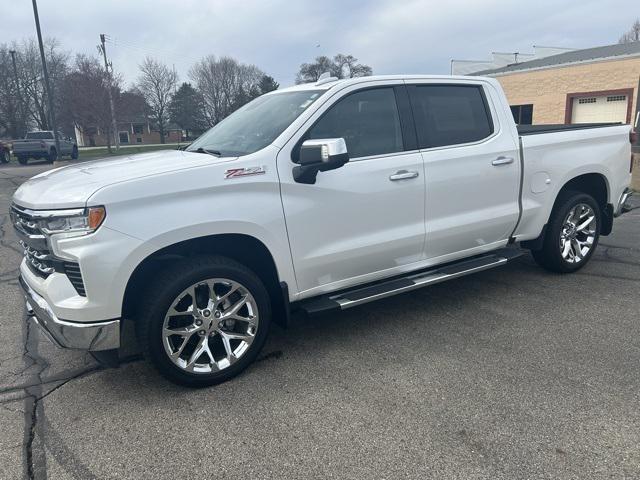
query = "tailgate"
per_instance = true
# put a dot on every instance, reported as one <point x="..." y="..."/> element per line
<point x="28" y="146"/>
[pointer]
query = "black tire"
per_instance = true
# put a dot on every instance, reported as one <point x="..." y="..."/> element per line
<point x="53" y="155"/>
<point x="167" y="286"/>
<point x="550" y="255"/>
<point x="22" y="160"/>
<point x="74" y="153"/>
<point x="4" y="156"/>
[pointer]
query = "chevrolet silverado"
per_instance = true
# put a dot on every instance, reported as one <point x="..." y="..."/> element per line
<point x="316" y="198"/>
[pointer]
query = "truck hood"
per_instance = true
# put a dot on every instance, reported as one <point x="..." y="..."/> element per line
<point x="71" y="186"/>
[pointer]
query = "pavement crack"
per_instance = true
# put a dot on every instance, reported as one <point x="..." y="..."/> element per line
<point x="31" y="433"/>
<point x="34" y="460"/>
<point x="64" y="377"/>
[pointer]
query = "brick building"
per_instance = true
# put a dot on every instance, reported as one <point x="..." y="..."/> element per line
<point x="580" y="86"/>
<point x="558" y="85"/>
<point x="130" y="132"/>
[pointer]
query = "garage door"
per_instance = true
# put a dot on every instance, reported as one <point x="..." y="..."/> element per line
<point x="606" y="108"/>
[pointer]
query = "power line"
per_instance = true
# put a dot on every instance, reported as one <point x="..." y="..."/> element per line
<point x="156" y="52"/>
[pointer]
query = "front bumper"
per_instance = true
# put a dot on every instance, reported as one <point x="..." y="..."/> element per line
<point x="92" y="336"/>
<point x="623" y="204"/>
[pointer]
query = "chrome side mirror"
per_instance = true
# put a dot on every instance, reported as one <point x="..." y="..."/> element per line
<point x="319" y="155"/>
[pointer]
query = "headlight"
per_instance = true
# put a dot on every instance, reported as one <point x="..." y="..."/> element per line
<point x="82" y="220"/>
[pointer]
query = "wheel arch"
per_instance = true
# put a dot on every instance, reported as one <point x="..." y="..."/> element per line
<point x="242" y="248"/>
<point x="594" y="184"/>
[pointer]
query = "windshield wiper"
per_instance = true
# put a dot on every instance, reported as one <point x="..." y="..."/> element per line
<point x="215" y="153"/>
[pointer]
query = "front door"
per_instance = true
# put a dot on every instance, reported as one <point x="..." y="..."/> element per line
<point x="365" y="219"/>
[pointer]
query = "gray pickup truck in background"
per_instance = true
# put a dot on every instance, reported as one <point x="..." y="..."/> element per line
<point x="42" y="144"/>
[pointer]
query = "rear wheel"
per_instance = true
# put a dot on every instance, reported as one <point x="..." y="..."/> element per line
<point x="53" y="155"/>
<point x="4" y="156"/>
<point x="22" y="160"/>
<point x="572" y="233"/>
<point x="74" y="153"/>
<point x="204" y="320"/>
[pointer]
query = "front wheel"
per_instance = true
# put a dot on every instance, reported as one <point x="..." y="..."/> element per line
<point x="572" y="234"/>
<point x="74" y="153"/>
<point x="4" y="156"/>
<point x="204" y="320"/>
<point x="22" y="160"/>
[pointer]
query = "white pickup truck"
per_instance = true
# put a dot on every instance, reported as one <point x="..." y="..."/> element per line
<point x="318" y="198"/>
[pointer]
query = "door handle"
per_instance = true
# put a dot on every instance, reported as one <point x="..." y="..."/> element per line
<point x="403" y="175"/>
<point x="502" y="161"/>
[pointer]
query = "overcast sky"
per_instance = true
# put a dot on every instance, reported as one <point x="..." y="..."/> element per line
<point x="392" y="36"/>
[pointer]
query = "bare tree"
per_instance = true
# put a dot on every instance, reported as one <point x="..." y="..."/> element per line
<point x="310" y="72"/>
<point x="347" y="66"/>
<point x="12" y="113"/>
<point x="85" y="99"/>
<point x="341" y="66"/>
<point x="32" y="79"/>
<point x="224" y="85"/>
<point x="157" y="83"/>
<point x="633" y="35"/>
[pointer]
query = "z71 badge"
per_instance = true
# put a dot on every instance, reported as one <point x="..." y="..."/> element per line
<point x="243" y="172"/>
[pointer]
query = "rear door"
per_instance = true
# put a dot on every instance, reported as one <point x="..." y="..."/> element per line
<point x="364" y="220"/>
<point x="471" y="168"/>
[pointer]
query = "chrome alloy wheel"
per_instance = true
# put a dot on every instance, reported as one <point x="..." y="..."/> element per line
<point x="210" y="325"/>
<point x="578" y="233"/>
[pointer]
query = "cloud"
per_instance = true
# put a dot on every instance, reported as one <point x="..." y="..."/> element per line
<point x="409" y="36"/>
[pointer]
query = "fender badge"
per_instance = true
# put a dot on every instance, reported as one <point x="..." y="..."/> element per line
<point x="243" y="172"/>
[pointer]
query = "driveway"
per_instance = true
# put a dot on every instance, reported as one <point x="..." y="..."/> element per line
<point x="511" y="373"/>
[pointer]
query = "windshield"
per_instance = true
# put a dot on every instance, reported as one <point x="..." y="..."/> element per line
<point x="39" y="136"/>
<point x="255" y="125"/>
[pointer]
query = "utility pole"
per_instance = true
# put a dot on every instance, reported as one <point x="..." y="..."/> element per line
<point x="114" y="124"/>
<point x="47" y="86"/>
<point x="636" y="121"/>
<point x="23" y="111"/>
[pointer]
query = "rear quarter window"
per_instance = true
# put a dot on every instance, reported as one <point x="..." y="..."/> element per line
<point x="450" y="114"/>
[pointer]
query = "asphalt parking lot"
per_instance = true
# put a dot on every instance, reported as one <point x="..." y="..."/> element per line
<point x="512" y="373"/>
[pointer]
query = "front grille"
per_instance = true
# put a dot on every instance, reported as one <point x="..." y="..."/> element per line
<point x="37" y="254"/>
<point x="39" y="261"/>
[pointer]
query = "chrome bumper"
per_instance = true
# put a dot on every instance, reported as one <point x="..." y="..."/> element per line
<point x="623" y="205"/>
<point x="93" y="336"/>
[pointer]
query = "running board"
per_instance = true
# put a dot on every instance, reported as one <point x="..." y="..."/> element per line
<point x="360" y="295"/>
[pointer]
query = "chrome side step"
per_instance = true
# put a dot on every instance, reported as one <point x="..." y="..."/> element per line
<point x="361" y="295"/>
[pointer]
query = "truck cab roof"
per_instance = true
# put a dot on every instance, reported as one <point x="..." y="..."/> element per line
<point x="328" y="83"/>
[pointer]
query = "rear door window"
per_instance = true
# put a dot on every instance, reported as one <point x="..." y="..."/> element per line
<point x="450" y="114"/>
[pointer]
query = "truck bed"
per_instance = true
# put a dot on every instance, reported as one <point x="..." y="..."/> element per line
<point x="569" y="151"/>
<point x="559" y="127"/>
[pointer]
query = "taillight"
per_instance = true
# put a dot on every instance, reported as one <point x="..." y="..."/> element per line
<point x="633" y="137"/>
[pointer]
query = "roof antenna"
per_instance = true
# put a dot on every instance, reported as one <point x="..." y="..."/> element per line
<point x="326" y="78"/>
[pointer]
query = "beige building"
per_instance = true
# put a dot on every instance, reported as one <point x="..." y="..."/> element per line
<point x="580" y="86"/>
<point x="555" y="85"/>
